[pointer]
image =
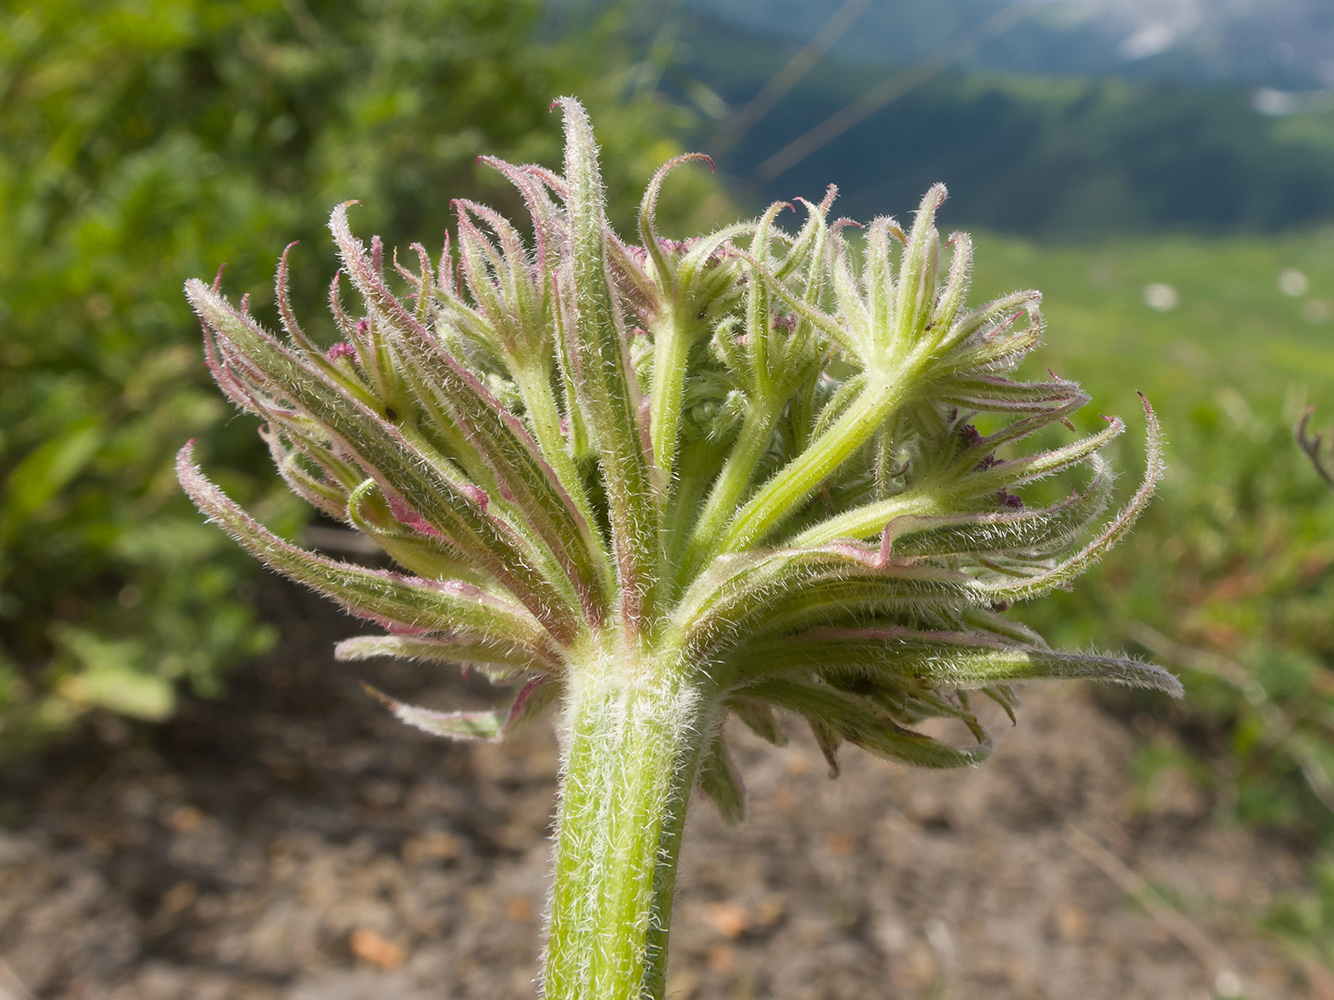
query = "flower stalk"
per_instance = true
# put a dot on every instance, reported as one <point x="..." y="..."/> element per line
<point x="634" y="732"/>
<point x="651" y="487"/>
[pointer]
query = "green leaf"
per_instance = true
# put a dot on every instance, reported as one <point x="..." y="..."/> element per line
<point x="1031" y="468"/>
<point x="981" y="669"/>
<point x="112" y="675"/>
<point x="718" y="780"/>
<point x="500" y="660"/>
<point x="395" y="600"/>
<point x="981" y="339"/>
<point x="758" y="717"/>
<point x="858" y="723"/>
<point x="488" y="726"/>
<point x="469" y="726"/>
<point x="46" y="470"/>
<point x="531" y="702"/>
<point x="944" y="659"/>
<point x="763" y="593"/>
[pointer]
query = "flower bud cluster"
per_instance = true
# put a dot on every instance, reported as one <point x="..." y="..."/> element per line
<point x="788" y="465"/>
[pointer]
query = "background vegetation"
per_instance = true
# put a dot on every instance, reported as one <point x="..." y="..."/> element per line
<point x="1229" y="577"/>
<point x="142" y="143"/>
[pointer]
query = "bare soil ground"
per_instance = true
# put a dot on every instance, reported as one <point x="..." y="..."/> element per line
<point x="293" y="842"/>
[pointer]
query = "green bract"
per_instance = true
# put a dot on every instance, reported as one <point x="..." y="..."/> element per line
<point x="655" y="484"/>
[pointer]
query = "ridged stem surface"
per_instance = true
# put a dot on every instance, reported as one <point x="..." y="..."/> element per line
<point x="635" y="732"/>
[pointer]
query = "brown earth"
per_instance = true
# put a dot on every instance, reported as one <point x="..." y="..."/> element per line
<point x="294" y="842"/>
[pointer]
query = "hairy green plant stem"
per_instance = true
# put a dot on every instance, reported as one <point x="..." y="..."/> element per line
<point x="782" y="494"/>
<point x="635" y="727"/>
<point x="729" y="488"/>
<point x="672" y="340"/>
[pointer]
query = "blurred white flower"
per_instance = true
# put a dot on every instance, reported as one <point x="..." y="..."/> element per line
<point x="1293" y="282"/>
<point x="1162" y="297"/>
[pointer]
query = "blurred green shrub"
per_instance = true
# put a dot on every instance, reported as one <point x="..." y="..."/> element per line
<point x="1230" y="582"/>
<point x="1228" y="577"/>
<point x="146" y="141"/>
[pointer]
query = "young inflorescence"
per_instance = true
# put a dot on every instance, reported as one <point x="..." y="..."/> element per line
<point x="658" y="483"/>
<point x="752" y="452"/>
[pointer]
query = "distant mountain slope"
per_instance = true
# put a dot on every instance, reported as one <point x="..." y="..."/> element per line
<point x="1288" y="44"/>
<point x="1057" y="156"/>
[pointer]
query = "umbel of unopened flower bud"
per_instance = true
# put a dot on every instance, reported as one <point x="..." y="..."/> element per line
<point x="658" y="483"/>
